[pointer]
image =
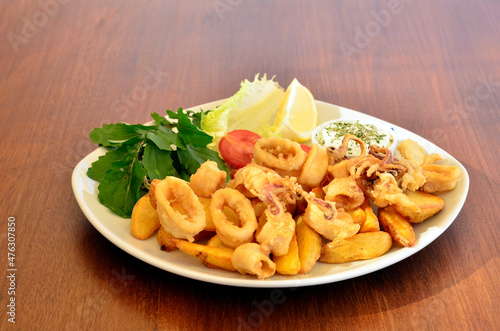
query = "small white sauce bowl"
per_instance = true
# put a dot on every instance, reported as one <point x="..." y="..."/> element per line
<point x="318" y="132"/>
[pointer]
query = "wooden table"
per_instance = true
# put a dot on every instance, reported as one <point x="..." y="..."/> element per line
<point x="66" y="67"/>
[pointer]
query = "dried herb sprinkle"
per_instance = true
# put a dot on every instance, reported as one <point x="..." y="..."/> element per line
<point x="368" y="133"/>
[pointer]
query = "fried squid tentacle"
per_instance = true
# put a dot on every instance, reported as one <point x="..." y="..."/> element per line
<point x="385" y="191"/>
<point x="277" y="232"/>
<point x="345" y="192"/>
<point x="330" y="228"/>
<point x="338" y="154"/>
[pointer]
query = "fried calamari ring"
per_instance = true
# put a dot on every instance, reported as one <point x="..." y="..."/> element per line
<point x="315" y="167"/>
<point x="207" y="179"/>
<point x="231" y="234"/>
<point x="183" y="226"/>
<point x="279" y="153"/>
<point x="252" y="259"/>
<point x="440" y="178"/>
<point x="152" y="192"/>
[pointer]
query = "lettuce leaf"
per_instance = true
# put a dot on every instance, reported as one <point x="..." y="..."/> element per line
<point x="251" y="108"/>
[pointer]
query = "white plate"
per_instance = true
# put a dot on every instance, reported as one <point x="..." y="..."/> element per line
<point x="117" y="229"/>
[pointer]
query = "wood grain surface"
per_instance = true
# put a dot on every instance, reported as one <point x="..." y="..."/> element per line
<point x="432" y="67"/>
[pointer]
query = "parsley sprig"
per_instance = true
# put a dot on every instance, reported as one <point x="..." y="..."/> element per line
<point x="140" y="153"/>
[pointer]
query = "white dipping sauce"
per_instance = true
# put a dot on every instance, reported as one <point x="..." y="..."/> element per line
<point x="331" y="134"/>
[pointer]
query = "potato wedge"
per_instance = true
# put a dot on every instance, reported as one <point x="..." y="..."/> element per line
<point x="164" y="239"/>
<point x="397" y="225"/>
<point x="358" y="215"/>
<point x="152" y="192"/>
<point x="215" y="241"/>
<point x="429" y="205"/>
<point x="144" y="221"/>
<point x="309" y="245"/>
<point x="289" y="264"/>
<point x="214" y="257"/>
<point x="370" y="223"/>
<point x="318" y="192"/>
<point x="361" y="246"/>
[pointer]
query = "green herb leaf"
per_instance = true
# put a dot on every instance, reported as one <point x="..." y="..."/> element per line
<point x="104" y="162"/>
<point x="157" y="162"/>
<point x="180" y="170"/>
<point x="189" y="132"/>
<point x="161" y="120"/>
<point x="120" y="186"/>
<point x="194" y="156"/>
<point x="139" y="152"/>
<point x="117" y="134"/>
<point x="197" y="116"/>
<point x="162" y="139"/>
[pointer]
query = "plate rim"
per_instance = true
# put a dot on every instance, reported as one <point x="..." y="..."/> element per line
<point x="250" y="281"/>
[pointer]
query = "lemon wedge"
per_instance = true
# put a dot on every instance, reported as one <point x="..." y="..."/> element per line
<point x="297" y="114"/>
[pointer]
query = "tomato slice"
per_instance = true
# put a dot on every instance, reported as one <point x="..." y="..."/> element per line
<point x="236" y="147"/>
<point x="305" y="148"/>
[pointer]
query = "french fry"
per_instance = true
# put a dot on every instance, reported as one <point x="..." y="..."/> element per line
<point x="397" y="225"/>
<point x="164" y="239"/>
<point x="370" y="223"/>
<point x="429" y="205"/>
<point x="214" y="257"/>
<point x="144" y="221"/>
<point x="309" y="245"/>
<point x="361" y="246"/>
<point x="289" y="264"/>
